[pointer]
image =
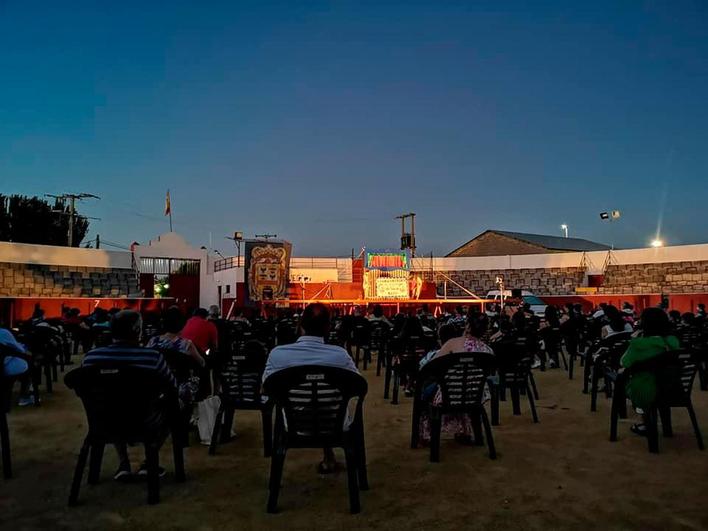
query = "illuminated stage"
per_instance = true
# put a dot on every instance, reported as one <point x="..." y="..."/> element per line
<point x="436" y="306"/>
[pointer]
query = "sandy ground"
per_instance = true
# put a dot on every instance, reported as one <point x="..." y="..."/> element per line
<point x="560" y="474"/>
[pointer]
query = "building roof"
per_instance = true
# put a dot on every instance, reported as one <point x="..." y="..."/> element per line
<point x="550" y="243"/>
<point x="557" y="243"/>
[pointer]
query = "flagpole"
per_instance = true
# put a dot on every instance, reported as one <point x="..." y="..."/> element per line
<point x="168" y="207"/>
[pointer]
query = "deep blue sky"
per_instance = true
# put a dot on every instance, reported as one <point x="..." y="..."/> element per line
<point x="320" y="121"/>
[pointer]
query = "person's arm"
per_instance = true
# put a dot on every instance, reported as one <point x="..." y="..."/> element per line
<point x="449" y="347"/>
<point x="269" y="367"/>
<point x="165" y="373"/>
<point x="348" y="362"/>
<point x="193" y="353"/>
<point x="631" y="356"/>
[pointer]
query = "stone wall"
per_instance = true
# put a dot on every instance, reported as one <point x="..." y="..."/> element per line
<point x="548" y="281"/>
<point x="673" y="277"/>
<point x="668" y="278"/>
<point x="33" y="280"/>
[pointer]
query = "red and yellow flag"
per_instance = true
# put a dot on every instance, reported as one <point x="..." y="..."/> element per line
<point x="168" y="207"/>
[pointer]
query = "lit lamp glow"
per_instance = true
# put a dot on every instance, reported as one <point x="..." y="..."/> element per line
<point x="657" y="243"/>
<point x="564" y="228"/>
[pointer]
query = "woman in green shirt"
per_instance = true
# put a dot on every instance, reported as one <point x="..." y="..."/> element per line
<point x="656" y="339"/>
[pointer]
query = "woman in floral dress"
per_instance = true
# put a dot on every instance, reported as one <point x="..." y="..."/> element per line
<point x="459" y="425"/>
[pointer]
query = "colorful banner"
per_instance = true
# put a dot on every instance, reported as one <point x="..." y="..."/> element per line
<point x="386" y="260"/>
<point x="267" y="266"/>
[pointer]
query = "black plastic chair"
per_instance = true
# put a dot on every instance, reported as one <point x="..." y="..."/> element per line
<point x="45" y="344"/>
<point x="125" y="405"/>
<point x="318" y="407"/>
<point x="240" y="379"/>
<point x="403" y="361"/>
<point x="694" y="338"/>
<point x="183" y="368"/>
<point x="461" y="378"/>
<point x="514" y="363"/>
<point x="360" y="343"/>
<point x="378" y="342"/>
<point x="604" y="363"/>
<point x="675" y="373"/>
<point x="553" y="349"/>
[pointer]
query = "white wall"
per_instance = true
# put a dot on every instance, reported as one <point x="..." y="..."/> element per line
<point x="25" y="253"/>
<point x="172" y="245"/>
<point x="594" y="260"/>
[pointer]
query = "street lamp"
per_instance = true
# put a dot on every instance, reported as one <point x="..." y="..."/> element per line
<point x="657" y="243"/>
<point x="564" y="227"/>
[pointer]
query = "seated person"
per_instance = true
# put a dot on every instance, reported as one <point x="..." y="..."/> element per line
<point x="459" y="425"/>
<point x="201" y="332"/>
<point x="17" y="365"/>
<point x="377" y="315"/>
<point x="125" y="350"/>
<point x="655" y="340"/>
<point x="310" y="349"/>
<point x="14" y="365"/>
<point x="616" y="324"/>
<point x="170" y="340"/>
<point x="445" y="333"/>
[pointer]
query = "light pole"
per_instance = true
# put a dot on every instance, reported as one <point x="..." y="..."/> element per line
<point x="408" y="238"/>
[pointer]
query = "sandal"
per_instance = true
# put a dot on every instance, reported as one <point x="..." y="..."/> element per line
<point x="639" y="429"/>
<point x="327" y="468"/>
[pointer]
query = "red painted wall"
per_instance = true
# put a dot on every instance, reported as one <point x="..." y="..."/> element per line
<point x="684" y="302"/>
<point x="14" y="310"/>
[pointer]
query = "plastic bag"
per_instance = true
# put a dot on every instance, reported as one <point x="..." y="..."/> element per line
<point x="207" y="410"/>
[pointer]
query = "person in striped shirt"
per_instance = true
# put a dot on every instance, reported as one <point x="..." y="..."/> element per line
<point x="125" y="350"/>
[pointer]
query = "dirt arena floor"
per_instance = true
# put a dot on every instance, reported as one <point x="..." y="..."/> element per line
<point x="560" y="474"/>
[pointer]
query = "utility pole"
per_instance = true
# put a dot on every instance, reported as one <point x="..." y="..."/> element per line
<point x="237" y="239"/>
<point x="72" y="210"/>
<point x="408" y="238"/>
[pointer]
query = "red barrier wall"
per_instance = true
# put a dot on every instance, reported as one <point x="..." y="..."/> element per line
<point x="20" y="309"/>
<point x="686" y="302"/>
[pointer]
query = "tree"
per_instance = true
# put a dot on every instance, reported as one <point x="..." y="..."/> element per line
<point x="34" y="220"/>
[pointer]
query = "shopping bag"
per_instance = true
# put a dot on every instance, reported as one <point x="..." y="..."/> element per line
<point x="207" y="410"/>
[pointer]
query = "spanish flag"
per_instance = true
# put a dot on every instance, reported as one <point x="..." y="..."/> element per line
<point x="168" y="207"/>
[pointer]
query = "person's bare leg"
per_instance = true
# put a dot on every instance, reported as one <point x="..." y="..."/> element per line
<point x="123" y="461"/>
<point x="329" y="462"/>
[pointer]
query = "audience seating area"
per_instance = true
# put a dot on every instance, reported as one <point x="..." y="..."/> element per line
<point x="318" y="407"/>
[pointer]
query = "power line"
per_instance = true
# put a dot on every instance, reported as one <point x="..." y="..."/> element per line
<point x="72" y="209"/>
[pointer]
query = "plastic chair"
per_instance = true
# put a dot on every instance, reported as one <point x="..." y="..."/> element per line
<point x="318" y="407"/>
<point x="604" y="363"/>
<point x="675" y="373"/>
<point x="461" y="378"/>
<point x="240" y="379"/>
<point x="125" y="405"/>
<point x="514" y="363"/>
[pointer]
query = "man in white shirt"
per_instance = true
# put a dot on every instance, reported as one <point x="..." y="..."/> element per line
<point x="310" y="349"/>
